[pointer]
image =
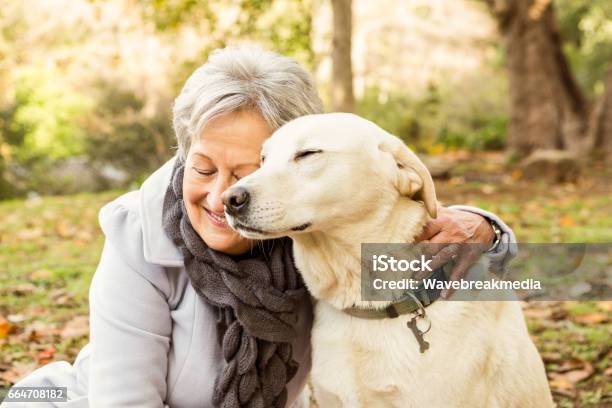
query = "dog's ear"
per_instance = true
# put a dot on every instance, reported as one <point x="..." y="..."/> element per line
<point x="413" y="178"/>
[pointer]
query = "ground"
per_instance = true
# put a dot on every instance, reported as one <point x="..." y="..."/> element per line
<point x="50" y="246"/>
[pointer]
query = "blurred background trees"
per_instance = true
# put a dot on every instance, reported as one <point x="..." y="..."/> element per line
<point x="87" y="85"/>
<point x="342" y="95"/>
<point x="549" y="109"/>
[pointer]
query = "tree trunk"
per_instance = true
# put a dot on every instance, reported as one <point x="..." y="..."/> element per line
<point x="547" y="108"/>
<point x="343" y="99"/>
<point x="602" y="121"/>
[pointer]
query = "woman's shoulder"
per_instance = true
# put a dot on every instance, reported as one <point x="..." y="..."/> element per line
<point x="124" y="254"/>
<point x="132" y="224"/>
<point x="121" y="217"/>
<point x="121" y="223"/>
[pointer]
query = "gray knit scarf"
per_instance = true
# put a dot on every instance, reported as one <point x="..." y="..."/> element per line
<point x="255" y="298"/>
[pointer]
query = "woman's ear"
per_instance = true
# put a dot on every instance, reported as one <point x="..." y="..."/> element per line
<point x="412" y="177"/>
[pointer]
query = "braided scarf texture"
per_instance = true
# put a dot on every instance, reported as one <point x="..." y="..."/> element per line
<point x="255" y="298"/>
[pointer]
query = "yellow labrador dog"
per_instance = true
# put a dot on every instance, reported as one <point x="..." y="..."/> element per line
<point x="331" y="182"/>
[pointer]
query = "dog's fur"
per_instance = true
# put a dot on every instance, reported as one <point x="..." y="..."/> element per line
<point x="361" y="184"/>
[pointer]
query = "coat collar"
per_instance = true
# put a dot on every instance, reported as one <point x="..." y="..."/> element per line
<point x="158" y="248"/>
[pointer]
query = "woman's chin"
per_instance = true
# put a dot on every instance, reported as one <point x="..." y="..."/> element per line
<point x="227" y="240"/>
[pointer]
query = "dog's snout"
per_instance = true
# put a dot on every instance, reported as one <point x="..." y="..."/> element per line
<point x="235" y="200"/>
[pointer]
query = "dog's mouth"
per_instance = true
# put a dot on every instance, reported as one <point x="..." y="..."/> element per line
<point x="302" y="227"/>
<point x="242" y="227"/>
<point x="250" y="231"/>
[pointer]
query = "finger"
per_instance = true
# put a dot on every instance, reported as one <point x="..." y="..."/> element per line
<point x="459" y="270"/>
<point x="431" y="247"/>
<point x="430" y="229"/>
<point x="427" y="248"/>
<point x="437" y="243"/>
<point x="445" y="255"/>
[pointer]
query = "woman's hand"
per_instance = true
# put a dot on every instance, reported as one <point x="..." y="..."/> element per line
<point x="451" y="229"/>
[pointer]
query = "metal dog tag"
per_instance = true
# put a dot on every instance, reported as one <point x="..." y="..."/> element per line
<point x="412" y="325"/>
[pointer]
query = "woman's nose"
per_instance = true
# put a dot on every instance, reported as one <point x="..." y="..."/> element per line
<point x="213" y="198"/>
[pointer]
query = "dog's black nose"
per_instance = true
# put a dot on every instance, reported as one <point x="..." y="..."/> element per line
<point x="235" y="200"/>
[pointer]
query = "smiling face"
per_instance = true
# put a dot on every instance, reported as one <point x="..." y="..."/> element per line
<point x="227" y="150"/>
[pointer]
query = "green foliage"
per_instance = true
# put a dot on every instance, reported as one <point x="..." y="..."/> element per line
<point x="430" y="120"/>
<point x="40" y="125"/>
<point x="6" y="189"/>
<point x="292" y="26"/>
<point x="586" y="27"/>
<point x="43" y="118"/>
<point x="122" y="133"/>
<point x="172" y="14"/>
<point x="284" y="26"/>
<point x="486" y="132"/>
<point x="390" y="112"/>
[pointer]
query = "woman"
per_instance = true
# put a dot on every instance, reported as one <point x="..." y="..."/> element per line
<point x="184" y="312"/>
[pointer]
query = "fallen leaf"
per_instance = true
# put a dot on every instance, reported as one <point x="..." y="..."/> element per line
<point x="605" y="305"/>
<point x="30" y="335"/>
<point x="5" y="327"/>
<point x="60" y="296"/>
<point x="64" y="229"/>
<point x="558" y="314"/>
<point x="17" y="372"/>
<point x="517" y="174"/>
<point x="566" y="221"/>
<point x="78" y="327"/>
<point x="576" y="376"/>
<point x="41" y="274"/>
<point x="36" y="309"/>
<point x="591" y="318"/>
<point x="455" y="181"/>
<point x="567" y="375"/>
<point x="19" y="290"/>
<point x="16" y="318"/>
<point x="551" y="356"/>
<point x="29" y="234"/>
<point x="565" y="393"/>
<point x="46" y="355"/>
<point x="488" y="189"/>
<point x="571" y="364"/>
<point x="561" y="383"/>
<point x="40" y="329"/>
<point x="85" y="236"/>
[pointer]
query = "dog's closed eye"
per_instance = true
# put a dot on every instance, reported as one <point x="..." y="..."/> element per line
<point x="305" y="153"/>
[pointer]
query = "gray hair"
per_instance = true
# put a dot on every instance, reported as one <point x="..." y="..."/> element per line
<point x="245" y="77"/>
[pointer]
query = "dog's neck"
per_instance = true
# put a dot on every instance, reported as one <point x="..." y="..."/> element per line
<point x="330" y="261"/>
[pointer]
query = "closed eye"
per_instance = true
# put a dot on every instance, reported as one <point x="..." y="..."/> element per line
<point x="305" y="153"/>
<point x="204" y="172"/>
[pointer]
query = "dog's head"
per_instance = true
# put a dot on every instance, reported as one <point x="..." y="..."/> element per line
<point x="319" y="172"/>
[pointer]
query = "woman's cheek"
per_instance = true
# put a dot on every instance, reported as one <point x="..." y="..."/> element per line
<point x="193" y="195"/>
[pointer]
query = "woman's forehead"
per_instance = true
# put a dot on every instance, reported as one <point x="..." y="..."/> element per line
<point x="240" y="128"/>
<point x="235" y="142"/>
